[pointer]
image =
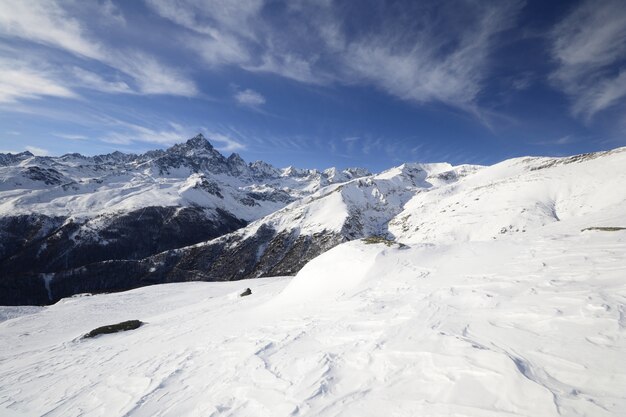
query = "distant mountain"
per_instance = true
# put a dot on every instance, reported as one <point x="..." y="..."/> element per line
<point x="477" y="291"/>
<point x="189" y="213"/>
<point x="64" y="213"/>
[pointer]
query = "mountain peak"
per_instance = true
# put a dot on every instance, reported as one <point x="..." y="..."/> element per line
<point x="197" y="145"/>
<point x="235" y="157"/>
<point x="199" y="141"/>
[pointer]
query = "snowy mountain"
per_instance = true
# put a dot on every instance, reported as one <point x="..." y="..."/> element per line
<point x="503" y="295"/>
<point x="278" y="244"/>
<point x="189" y="174"/>
<point x="63" y="213"/>
<point x="475" y="291"/>
<point x="411" y="204"/>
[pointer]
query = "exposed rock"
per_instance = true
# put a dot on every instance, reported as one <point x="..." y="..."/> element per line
<point x="114" y="328"/>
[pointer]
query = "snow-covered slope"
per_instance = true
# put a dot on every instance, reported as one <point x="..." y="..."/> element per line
<point x="529" y="324"/>
<point x="516" y="196"/>
<point x="503" y="294"/>
<point x="361" y="206"/>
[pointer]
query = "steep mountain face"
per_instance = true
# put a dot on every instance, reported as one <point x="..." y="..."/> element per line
<point x="312" y="212"/>
<point x="278" y="244"/>
<point x="65" y="213"/>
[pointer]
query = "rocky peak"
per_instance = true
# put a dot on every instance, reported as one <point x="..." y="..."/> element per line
<point x="197" y="154"/>
<point x="356" y="172"/>
<point x="292" y="171"/>
<point x="236" y="164"/>
<point x="199" y="141"/>
<point x="235" y="158"/>
<point x="7" y="159"/>
<point x="198" y="145"/>
<point x="263" y="169"/>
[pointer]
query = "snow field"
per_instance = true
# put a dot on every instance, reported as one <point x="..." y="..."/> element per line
<point x="494" y="328"/>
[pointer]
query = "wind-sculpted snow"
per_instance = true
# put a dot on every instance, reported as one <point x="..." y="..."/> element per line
<point x="524" y="325"/>
<point x="477" y="292"/>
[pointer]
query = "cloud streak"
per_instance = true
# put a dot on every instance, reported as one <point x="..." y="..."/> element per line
<point x="440" y="54"/>
<point x="586" y="45"/>
<point x="18" y="81"/>
<point x="52" y="23"/>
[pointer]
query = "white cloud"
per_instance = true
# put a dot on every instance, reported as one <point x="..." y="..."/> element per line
<point x="563" y="140"/>
<point x="37" y="151"/>
<point x="249" y="98"/>
<point x="70" y="136"/>
<point x="50" y="23"/>
<point x="433" y="66"/>
<point x="440" y="54"/>
<point x="18" y="82"/>
<point x="111" y="13"/>
<point x="209" y="16"/>
<point x="47" y="23"/>
<point x="225" y="143"/>
<point x="586" y="45"/>
<point x="153" y="77"/>
<point x="89" y="79"/>
<point x="126" y="133"/>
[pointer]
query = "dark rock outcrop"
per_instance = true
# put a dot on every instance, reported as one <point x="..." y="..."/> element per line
<point x="231" y="257"/>
<point x="35" y="246"/>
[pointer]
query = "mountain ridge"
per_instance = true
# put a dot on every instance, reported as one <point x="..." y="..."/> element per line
<point x="412" y="204"/>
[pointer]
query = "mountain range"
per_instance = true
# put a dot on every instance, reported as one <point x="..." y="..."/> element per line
<point x="75" y="224"/>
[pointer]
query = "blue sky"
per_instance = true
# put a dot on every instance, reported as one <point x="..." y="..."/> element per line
<point x="315" y="83"/>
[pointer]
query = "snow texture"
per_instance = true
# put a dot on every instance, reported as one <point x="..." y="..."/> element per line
<point x="497" y="299"/>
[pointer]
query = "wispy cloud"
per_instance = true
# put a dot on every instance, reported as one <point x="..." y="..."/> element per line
<point x="249" y="98"/>
<point x="46" y="22"/>
<point x="153" y="77"/>
<point x="18" y="81"/>
<point x="428" y="66"/>
<point x="94" y="81"/>
<point x="586" y="45"/>
<point x="51" y="23"/>
<point x="440" y="54"/>
<point x="125" y="133"/>
<point x="563" y="140"/>
<point x="423" y="52"/>
<point x="225" y="143"/>
<point x="70" y="136"/>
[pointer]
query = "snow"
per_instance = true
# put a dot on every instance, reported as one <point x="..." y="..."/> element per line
<point x="87" y="187"/>
<point x="525" y="325"/>
<point x="496" y="300"/>
<point x="373" y="200"/>
<point x="513" y="197"/>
